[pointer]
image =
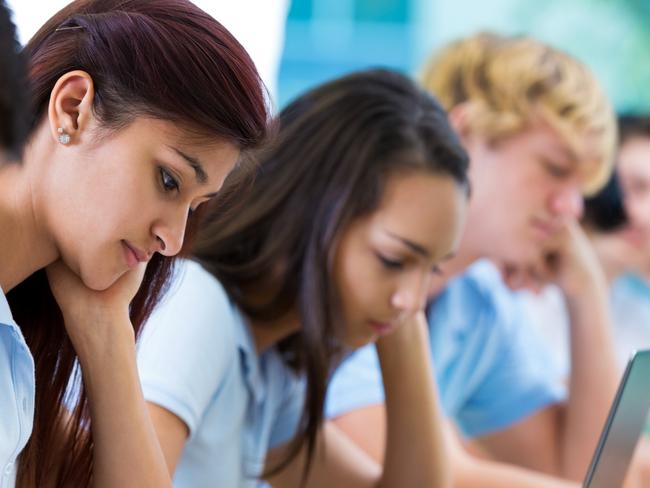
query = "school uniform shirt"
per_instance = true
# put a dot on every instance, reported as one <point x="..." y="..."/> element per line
<point x="197" y="359"/>
<point x="16" y="394"/>
<point x="491" y="366"/>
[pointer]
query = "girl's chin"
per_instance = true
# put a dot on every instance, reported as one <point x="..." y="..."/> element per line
<point x="357" y="342"/>
<point x="99" y="282"/>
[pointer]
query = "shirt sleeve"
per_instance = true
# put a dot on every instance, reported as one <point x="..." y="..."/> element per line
<point x="187" y="348"/>
<point x="356" y="383"/>
<point x="519" y="374"/>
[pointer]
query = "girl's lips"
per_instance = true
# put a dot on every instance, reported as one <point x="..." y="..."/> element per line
<point x="133" y="258"/>
<point x="382" y="329"/>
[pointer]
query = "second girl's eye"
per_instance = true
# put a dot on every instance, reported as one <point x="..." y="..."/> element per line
<point x="169" y="183"/>
<point x="390" y="263"/>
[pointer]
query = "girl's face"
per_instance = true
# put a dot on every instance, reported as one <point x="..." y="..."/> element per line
<point x="386" y="260"/>
<point x="109" y="203"/>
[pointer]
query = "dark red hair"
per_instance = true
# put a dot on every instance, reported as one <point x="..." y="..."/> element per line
<point x="165" y="59"/>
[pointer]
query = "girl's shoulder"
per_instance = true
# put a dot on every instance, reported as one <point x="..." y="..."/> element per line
<point x="194" y="319"/>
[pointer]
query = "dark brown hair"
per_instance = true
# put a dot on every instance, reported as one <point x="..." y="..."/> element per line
<point x="633" y="125"/>
<point x="165" y="59"/>
<point x="13" y="93"/>
<point x="605" y="211"/>
<point x="336" y="146"/>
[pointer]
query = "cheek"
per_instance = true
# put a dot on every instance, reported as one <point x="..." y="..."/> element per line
<point x="638" y="208"/>
<point x="354" y="280"/>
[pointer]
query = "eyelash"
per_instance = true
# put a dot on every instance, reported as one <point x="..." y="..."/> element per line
<point x="168" y="182"/>
<point x="392" y="264"/>
<point x="557" y="171"/>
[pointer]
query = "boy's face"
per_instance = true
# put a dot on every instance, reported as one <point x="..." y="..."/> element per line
<point x="525" y="187"/>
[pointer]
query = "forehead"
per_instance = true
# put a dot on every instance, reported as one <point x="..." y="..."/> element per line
<point x="422" y="207"/>
<point x="635" y="155"/>
<point x="577" y="153"/>
<point x="184" y="138"/>
<point x="171" y="140"/>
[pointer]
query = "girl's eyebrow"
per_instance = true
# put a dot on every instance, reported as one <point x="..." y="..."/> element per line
<point x="417" y="248"/>
<point x="195" y="164"/>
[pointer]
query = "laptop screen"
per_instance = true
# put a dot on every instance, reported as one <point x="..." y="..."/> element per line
<point x="625" y="424"/>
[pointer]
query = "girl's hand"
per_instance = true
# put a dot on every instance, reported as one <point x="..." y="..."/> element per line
<point x="88" y="314"/>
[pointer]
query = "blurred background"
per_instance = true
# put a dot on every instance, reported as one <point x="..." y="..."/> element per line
<point x="328" y="37"/>
<point x="299" y="43"/>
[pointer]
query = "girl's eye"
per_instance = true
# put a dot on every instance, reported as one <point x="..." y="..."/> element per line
<point x="390" y="263"/>
<point x="169" y="183"/>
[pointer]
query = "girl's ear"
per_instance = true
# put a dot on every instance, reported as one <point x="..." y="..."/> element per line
<point x="70" y="109"/>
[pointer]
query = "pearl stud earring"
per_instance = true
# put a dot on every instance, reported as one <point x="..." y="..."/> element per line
<point x="64" y="137"/>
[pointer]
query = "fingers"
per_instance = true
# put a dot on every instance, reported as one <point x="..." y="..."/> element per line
<point x="533" y="277"/>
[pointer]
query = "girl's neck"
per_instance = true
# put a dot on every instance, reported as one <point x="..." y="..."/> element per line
<point x="24" y="245"/>
<point x="268" y="333"/>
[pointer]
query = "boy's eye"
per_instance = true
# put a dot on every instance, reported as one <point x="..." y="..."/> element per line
<point x="436" y="270"/>
<point x="557" y="171"/>
<point x="168" y="182"/>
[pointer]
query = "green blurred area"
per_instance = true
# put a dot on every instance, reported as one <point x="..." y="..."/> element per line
<point x="611" y="36"/>
<point x="326" y="38"/>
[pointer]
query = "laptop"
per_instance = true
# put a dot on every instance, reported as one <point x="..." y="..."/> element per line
<point x="625" y="423"/>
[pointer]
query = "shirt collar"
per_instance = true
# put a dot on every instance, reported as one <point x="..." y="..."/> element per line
<point x="5" y="312"/>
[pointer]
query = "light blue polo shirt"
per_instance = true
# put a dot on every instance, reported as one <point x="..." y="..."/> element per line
<point x="491" y="365"/>
<point x="198" y="360"/>
<point x="16" y="394"/>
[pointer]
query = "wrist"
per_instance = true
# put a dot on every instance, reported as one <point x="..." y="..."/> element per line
<point x="409" y="338"/>
<point x="98" y="338"/>
<point x="585" y="282"/>
<point x="591" y="288"/>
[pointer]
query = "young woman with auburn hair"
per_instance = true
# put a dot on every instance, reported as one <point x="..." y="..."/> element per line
<point x="350" y="212"/>
<point x="140" y="110"/>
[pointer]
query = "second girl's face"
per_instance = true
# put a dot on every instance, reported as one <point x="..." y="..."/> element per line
<point x="386" y="260"/>
<point x="110" y="203"/>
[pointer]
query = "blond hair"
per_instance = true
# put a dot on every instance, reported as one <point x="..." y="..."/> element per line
<point x="512" y="81"/>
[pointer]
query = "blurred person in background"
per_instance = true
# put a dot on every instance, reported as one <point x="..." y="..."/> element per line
<point x="616" y="221"/>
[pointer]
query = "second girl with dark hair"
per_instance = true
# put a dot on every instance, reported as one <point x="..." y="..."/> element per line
<point x="334" y="246"/>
